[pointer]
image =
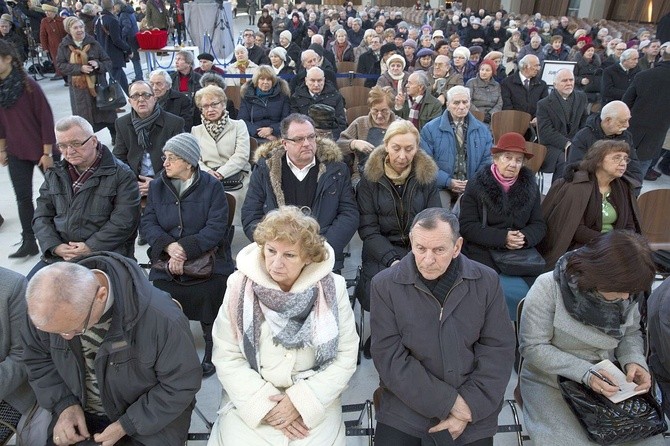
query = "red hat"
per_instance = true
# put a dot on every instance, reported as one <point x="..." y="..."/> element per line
<point x="586" y="47"/>
<point x="490" y="63"/>
<point x="586" y="39"/>
<point x="511" y="142"/>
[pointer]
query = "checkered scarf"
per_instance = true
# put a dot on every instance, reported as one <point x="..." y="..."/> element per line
<point x="414" y="109"/>
<point x="296" y="320"/>
<point x="78" y="179"/>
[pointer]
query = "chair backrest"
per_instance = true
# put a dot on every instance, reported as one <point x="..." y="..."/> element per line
<point x="233" y="93"/>
<point x="354" y="96"/>
<point x="505" y="121"/>
<point x="253" y="145"/>
<point x="345" y="67"/>
<point x="355" y="112"/>
<point x="231" y="207"/>
<point x="478" y="114"/>
<point x="654" y="207"/>
<point x="350" y="82"/>
<point x="540" y="153"/>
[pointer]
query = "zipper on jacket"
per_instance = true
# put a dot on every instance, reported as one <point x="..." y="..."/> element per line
<point x="460" y="280"/>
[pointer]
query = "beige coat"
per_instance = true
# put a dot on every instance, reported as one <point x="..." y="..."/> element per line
<point x="246" y="399"/>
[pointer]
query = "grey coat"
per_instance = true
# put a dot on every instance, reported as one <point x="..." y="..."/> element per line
<point x="553" y="343"/>
<point x="14" y="387"/>
<point x="81" y="101"/>
<point x="427" y="354"/>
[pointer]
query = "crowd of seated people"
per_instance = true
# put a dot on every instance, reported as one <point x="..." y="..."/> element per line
<point x="437" y="201"/>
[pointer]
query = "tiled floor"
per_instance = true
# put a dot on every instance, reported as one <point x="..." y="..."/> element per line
<point x="365" y="379"/>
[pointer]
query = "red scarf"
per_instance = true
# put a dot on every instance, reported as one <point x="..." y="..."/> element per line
<point x="505" y="183"/>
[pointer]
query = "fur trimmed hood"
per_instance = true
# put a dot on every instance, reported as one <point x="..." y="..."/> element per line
<point x="326" y="151"/>
<point x="423" y="166"/>
<point x="521" y="195"/>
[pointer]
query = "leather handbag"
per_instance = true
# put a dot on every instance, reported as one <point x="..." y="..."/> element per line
<point x="109" y="97"/>
<point x="9" y="419"/>
<point x="233" y="182"/>
<point x="609" y="423"/>
<point x="198" y="268"/>
<point x="516" y="262"/>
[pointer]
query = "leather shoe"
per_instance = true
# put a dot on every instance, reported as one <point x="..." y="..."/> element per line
<point x="652" y="175"/>
<point x="664" y="168"/>
<point x="28" y="248"/>
<point x="208" y="368"/>
<point x="366" y="348"/>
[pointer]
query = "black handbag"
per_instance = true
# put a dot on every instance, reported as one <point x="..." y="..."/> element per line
<point x="608" y="423"/>
<point x="198" y="268"/>
<point x="233" y="182"/>
<point x="109" y="97"/>
<point x="516" y="262"/>
<point x="9" y="419"/>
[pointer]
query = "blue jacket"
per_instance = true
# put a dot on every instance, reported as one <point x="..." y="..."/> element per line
<point x="439" y="141"/>
<point x="198" y="221"/>
<point x="129" y="29"/>
<point x="259" y="112"/>
<point x="334" y="206"/>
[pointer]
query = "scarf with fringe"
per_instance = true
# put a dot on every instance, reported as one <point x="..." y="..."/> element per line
<point x="82" y="81"/>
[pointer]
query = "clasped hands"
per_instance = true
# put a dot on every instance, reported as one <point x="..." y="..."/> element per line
<point x="286" y="418"/>
<point x="515" y="240"/>
<point x="459" y="417"/>
<point x="177" y="258"/>
<point x="70" y="250"/>
<point x="71" y="428"/>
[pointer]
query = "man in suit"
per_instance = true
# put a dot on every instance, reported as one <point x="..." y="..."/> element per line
<point x="417" y="105"/>
<point x="523" y="90"/>
<point x="559" y="117"/>
<point x="649" y="101"/>
<point x="368" y="63"/>
<point x="618" y="77"/>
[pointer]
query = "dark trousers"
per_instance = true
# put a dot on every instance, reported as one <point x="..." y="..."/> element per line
<point x="386" y="435"/>
<point x="120" y="76"/>
<point x="21" y="175"/>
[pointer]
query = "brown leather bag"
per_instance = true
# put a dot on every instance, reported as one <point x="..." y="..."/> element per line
<point x="198" y="268"/>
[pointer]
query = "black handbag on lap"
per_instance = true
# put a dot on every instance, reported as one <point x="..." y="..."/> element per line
<point x="233" y="182"/>
<point x="608" y="423"/>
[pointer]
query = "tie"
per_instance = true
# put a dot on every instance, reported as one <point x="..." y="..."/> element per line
<point x="526" y="83"/>
<point x="459" y="133"/>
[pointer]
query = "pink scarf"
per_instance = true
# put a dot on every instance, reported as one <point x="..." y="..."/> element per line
<point x="505" y="183"/>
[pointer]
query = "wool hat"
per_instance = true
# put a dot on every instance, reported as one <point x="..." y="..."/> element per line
<point x="388" y="48"/>
<point x="511" y="142"/>
<point x="490" y="63"/>
<point x="438" y="33"/>
<point x="644" y="44"/>
<point x="49" y="8"/>
<point x="279" y="52"/>
<point x="476" y="49"/>
<point x="463" y="51"/>
<point x="409" y="42"/>
<point x="185" y="146"/>
<point x="286" y="34"/>
<point x="586" y="39"/>
<point x="425" y="52"/>
<point x="313" y="28"/>
<point x="428" y="27"/>
<point x="398" y="58"/>
<point x="206" y="56"/>
<point x="88" y="9"/>
<point x="6" y="18"/>
<point x="476" y="21"/>
<point x="586" y="48"/>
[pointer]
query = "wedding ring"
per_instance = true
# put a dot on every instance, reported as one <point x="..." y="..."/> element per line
<point x="601" y="390"/>
<point x="56" y="438"/>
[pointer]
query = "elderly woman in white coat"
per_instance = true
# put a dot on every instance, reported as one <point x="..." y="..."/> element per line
<point x="224" y="142"/>
<point x="583" y="312"/>
<point x="285" y="342"/>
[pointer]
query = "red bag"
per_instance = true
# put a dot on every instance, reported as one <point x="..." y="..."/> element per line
<point x="152" y="40"/>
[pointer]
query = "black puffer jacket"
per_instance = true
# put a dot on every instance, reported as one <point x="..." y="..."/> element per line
<point x="519" y="209"/>
<point x="386" y="216"/>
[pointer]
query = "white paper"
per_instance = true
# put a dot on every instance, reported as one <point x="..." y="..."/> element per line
<point x="626" y="389"/>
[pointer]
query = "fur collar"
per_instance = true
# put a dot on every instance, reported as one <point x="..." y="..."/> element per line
<point x="424" y="168"/>
<point x="521" y="195"/>
<point x="327" y="152"/>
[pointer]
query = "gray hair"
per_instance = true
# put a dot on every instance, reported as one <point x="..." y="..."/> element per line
<point x="340" y="31"/>
<point x="318" y="39"/>
<point x="525" y="61"/>
<point x="186" y="55"/>
<point x="429" y="218"/>
<point x="359" y="21"/>
<point x="457" y="89"/>
<point x="65" y="124"/>
<point x="241" y="48"/>
<point x="58" y="286"/>
<point x="627" y="54"/>
<point x="305" y="54"/>
<point x="212" y="79"/>
<point x="297" y="118"/>
<point x="422" y="78"/>
<point x="612" y="109"/>
<point x="164" y="74"/>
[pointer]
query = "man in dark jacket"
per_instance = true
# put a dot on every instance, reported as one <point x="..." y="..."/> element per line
<point x="618" y="77"/>
<point x="418" y="106"/>
<point x="649" y="101"/>
<point x="142" y="133"/>
<point x="516" y="95"/>
<point x="442" y="340"/>
<point x="302" y="171"/>
<point x="317" y="91"/>
<point x="109" y="355"/>
<point x="612" y="124"/>
<point x="88" y="202"/>
<point x="559" y="117"/>
<point x="369" y="62"/>
<point x="171" y="100"/>
<point x="129" y="29"/>
<point x="108" y="34"/>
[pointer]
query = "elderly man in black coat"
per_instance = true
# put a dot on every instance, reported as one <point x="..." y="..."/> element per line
<point x="618" y="77"/>
<point x="559" y="117"/>
<point x="316" y="91"/>
<point x="649" y="101"/>
<point x="520" y="95"/>
<point x="612" y="123"/>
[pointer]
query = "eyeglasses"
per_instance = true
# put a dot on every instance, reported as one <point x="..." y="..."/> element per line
<point x="74" y="145"/>
<point x="87" y="320"/>
<point x="171" y="159"/>
<point x="384" y="112"/>
<point x="138" y="96"/>
<point x="212" y="105"/>
<point x="301" y="139"/>
<point x="620" y="159"/>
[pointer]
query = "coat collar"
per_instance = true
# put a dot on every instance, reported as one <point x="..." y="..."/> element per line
<point x="406" y="272"/>
<point x="424" y="168"/>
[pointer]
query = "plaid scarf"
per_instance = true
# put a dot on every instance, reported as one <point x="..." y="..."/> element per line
<point x="215" y="128"/>
<point x="143" y="126"/>
<point x="78" y="179"/>
<point x="297" y="320"/>
<point x="414" y="109"/>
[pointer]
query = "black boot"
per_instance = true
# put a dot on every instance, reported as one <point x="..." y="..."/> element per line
<point x="366" y="348"/>
<point x="28" y="248"/>
<point x="208" y="368"/>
